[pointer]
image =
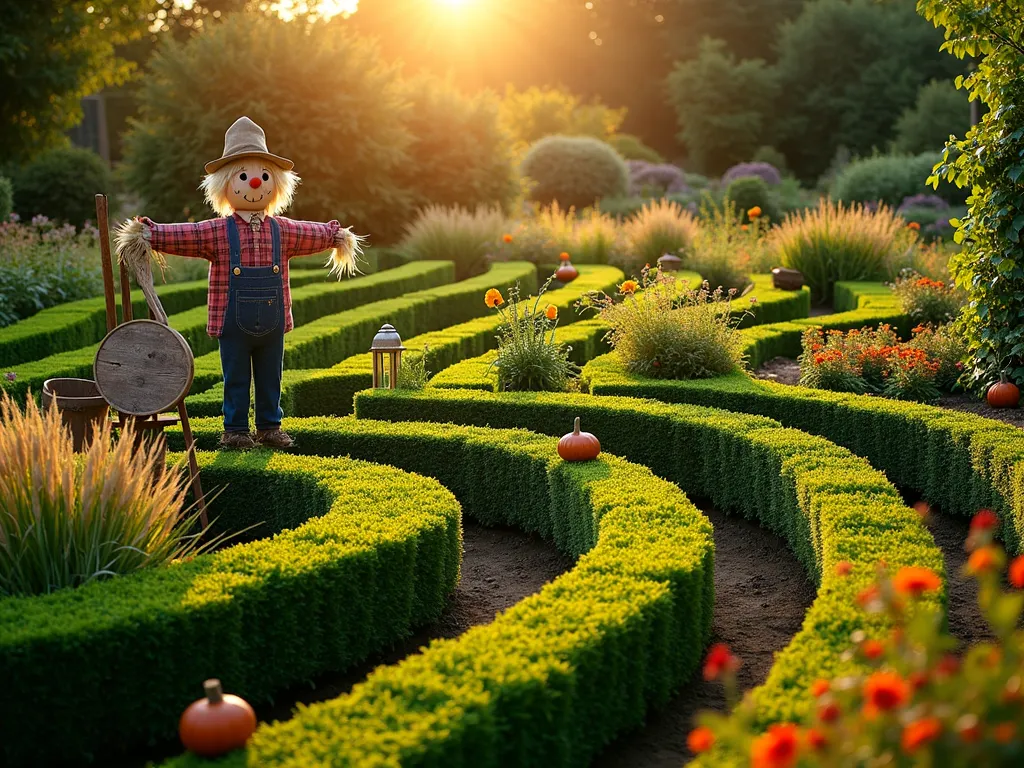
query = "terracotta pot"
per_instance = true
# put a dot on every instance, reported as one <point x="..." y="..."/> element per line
<point x="82" y="407"/>
<point x="566" y="273"/>
<point x="787" y="279"/>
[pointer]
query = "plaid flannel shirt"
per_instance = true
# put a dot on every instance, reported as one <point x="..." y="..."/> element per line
<point x="209" y="240"/>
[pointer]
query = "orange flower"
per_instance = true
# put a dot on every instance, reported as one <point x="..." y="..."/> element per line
<point x="868" y="595"/>
<point x="563" y="256"/>
<point x="872" y="649"/>
<point x="819" y="688"/>
<point x="744" y="227"/>
<point x="507" y="238"/>
<point x="885" y="691"/>
<point x="700" y="740"/>
<point x="1017" y="572"/>
<point x="719" y="660"/>
<point x="843" y="568"/>
<point x="754" y="212"/>
<point x="493" y="298"/>
<point x="629" y="286"/>
<point x="1004" y="732"/>
<point x="922" y="508"/>
<point x="915" y="580"/>
<point x="551" y="312"/>
<point x="914" y="226"/>
<point x="778" y="748"/>
<point x="816" y="740"/>
<point x="920" y="732"/>
<point x="982" y="560"/>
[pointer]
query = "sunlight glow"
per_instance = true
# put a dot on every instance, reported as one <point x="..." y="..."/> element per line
<point x="454" y="4"/>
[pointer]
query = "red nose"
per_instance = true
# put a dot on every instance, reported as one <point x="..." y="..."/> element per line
<point x="255" y="182"/>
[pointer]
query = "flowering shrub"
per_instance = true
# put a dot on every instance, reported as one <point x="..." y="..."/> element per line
<point x="765" y="171"/>
<point x="664" y="329"/>
<point x="655" y="180"/>
<point x="874" y="361"/>
<point x="926" y="300"/>
<point x="529" y="357"/>
<point x="914" y="703"/>
<point x="946" y="346"/>
<point x="725" y="248"/>
<point x="923" y="201"/>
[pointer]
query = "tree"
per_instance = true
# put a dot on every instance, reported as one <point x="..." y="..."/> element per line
<point x="722" y="106"/>
<point x="52" y="54"/>
<point x="534" y="113"/>
<point x="749" y="28"/>
<point x="941" y="111"/>
<point x="990" y="161"/>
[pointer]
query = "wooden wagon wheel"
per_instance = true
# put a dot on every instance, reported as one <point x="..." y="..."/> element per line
<point x="143" y="367"/>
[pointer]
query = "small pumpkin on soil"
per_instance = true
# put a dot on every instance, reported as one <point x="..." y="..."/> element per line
<point x="578" y="446"/>
<point x="216" y="724"/>
<point x="1003" y="394"/>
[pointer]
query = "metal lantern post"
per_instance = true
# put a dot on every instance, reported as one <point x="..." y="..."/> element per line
<point x="387" y="351"/>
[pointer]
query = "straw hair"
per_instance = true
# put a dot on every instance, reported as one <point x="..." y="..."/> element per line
<point x="215" y="186"/>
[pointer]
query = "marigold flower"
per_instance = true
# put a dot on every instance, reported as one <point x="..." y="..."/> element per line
<point x="984" y="520"/>
<point x="920" y="732"/>
<point x="507" y="238"/>
<point x="754" y="212"/>
<point x="700" y="740"/>
<point x="493" y="298"/>
<point x="816" y="740"/>
<point x="1004" y="732"/>
<point x="885" y="691"/>
<point x="719" y="660"/>
<point x="629" y="286"/>
<point x="563" y="256"/>
<point x="915" y="580"/>
<point x="778" y="748"/>
<point x="1017" y="572"/>
<point x="819" y="688"/>
<point x="829" y="712"/>
<point x="844" y="568"/>
<point x="914" y="226"/>
<point x="872" y="649"/>
<point x="982" y="560"/>
<point x="744" y="227"/>
<point x="919" y="329"/>
<point x="922" y="508"/>
<point x="551" y="312"/>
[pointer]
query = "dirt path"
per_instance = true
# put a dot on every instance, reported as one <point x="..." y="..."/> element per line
<point x="761" y="596"/>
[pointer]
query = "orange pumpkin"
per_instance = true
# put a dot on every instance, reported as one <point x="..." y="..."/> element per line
<point x="217" y="724"/>
<point x="578" y="446"/>
<point x="566" y="273"/>
<point x="1003" y="394"/>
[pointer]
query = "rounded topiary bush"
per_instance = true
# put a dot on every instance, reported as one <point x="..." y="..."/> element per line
<point x="747" y="192"/>
<point x="764" y="171"/>
<point x="654" y="180"/>
<point x="892" y="178"/>
<point x="61" y="184"/>
<point x="6" y="198"/>
<point x="574" y="171"/>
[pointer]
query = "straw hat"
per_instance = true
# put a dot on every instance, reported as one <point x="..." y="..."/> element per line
<point x="246" y="139"/>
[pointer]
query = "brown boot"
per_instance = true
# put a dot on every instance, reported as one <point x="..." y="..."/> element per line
<point x="237" y="441"/>
<point x="274" y="438"/>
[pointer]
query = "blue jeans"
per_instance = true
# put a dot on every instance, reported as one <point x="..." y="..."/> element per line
<point x="244" y="359"/>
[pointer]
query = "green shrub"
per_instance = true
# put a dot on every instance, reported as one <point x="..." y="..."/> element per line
<point x="834" y="242"/>
<point x="413" y="373"/>
<point x="457" y="234"/>
<point x="749" y="192"/>
<point x="890" y="179"/>
<point x="6" y="199"/>
<point x="940" y="111"/>
<point x="631" y="147"/>
<point x="61" y="184"/>
<point x="574" y="171"/>
<point x="661" y="227"/>
<point x="770" y="156"/>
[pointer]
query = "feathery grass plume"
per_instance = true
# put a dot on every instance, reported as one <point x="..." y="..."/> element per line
<point x="597" y="239"/>
<point x="662" y="226"/>
<point x="455" y="234"/>
<point x="725" y="248"/>
<point x="833" y="242"/>
<point x="67" y="518"/>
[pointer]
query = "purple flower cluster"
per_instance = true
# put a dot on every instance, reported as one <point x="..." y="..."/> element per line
<point x="660" y="178"/>
<point x="765" y="171"/>
<point x="923" y="201"/>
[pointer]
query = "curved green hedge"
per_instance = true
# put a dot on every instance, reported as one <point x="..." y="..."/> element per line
<point x="371" y="552"/>
<point x="308" y="303"/>
<point x="554" y="678"/>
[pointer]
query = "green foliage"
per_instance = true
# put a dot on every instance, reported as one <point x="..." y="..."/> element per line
<point x="885" y="178"/>
<point x="61" y="184"/>
<point x="747" y="30"/>
<point x="722" y="106"/>
<point x="772" y="156"/>
<point x="536" y="113"/>
<point x="749" y="192"/>
<point x="940" y="111"/>
<point x="6" y="199"/>
<point x="575" y="172"/>
<point x="337" y="110"/>
<point x="384" y="543"/>
<point x="989" y="161"/>
<point x="466" y="237"/>
<point x="725" y="248"/>
<point x="413" y="373"/>
<point x="459" y="154"/>
<point x="52" y="55"/>
<point x="632" y="147"/>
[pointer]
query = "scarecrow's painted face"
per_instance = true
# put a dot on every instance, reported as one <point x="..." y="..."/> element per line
<point x="252" y="187"/>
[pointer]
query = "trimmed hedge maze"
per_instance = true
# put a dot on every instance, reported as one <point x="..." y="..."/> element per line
<point x="353" y="557"/>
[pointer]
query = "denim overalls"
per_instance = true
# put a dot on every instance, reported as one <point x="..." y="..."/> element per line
<point x="252" y="342"/>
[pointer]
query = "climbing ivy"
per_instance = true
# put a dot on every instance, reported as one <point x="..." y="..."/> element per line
<point x="989" y="160"/>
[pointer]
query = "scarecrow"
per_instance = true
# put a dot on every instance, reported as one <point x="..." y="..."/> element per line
<point x="248" y="249"/>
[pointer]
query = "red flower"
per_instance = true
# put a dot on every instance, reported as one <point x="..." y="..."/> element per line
<point x="918" y="680"/>
<point x="1004" y="732"/>
<point x="969" y="729"/>
<point x="984" y="520"/>
<point x="829" y="712"/>
<point x="719" y="660"/>
<point x="915" y="580"/>
<point x="816" y="740"/>
<point x="948" y="665"/>
<point x="872" y="649"/>
<point x="778" y="748"/>
<point x="1017" y="572"/>
<point x="819" y="688"/>
<point x="868" y="595"/>
<point x="920" y="732"/>
<point x="885" y="691"/>
<point x="700" y="740"/>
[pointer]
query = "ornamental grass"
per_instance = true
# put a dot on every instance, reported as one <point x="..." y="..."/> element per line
<point x="454" y="234"/>
<point x="67" y="519"/>
<point x="912" y="699"/>
<point x="833" y="242"/>
<point x="662" y="226"/>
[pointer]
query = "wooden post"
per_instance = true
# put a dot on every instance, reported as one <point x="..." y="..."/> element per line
<point x="108" y="273"/>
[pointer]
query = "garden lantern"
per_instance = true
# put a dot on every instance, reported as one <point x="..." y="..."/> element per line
<point x="669" y="263"/>
<point x="387" y="351"/>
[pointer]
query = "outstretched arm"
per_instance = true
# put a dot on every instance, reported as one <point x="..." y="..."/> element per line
<point x="304" y="238"/>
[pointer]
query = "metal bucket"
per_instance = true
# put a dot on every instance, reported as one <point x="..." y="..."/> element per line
<point x="82" y="407"/>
